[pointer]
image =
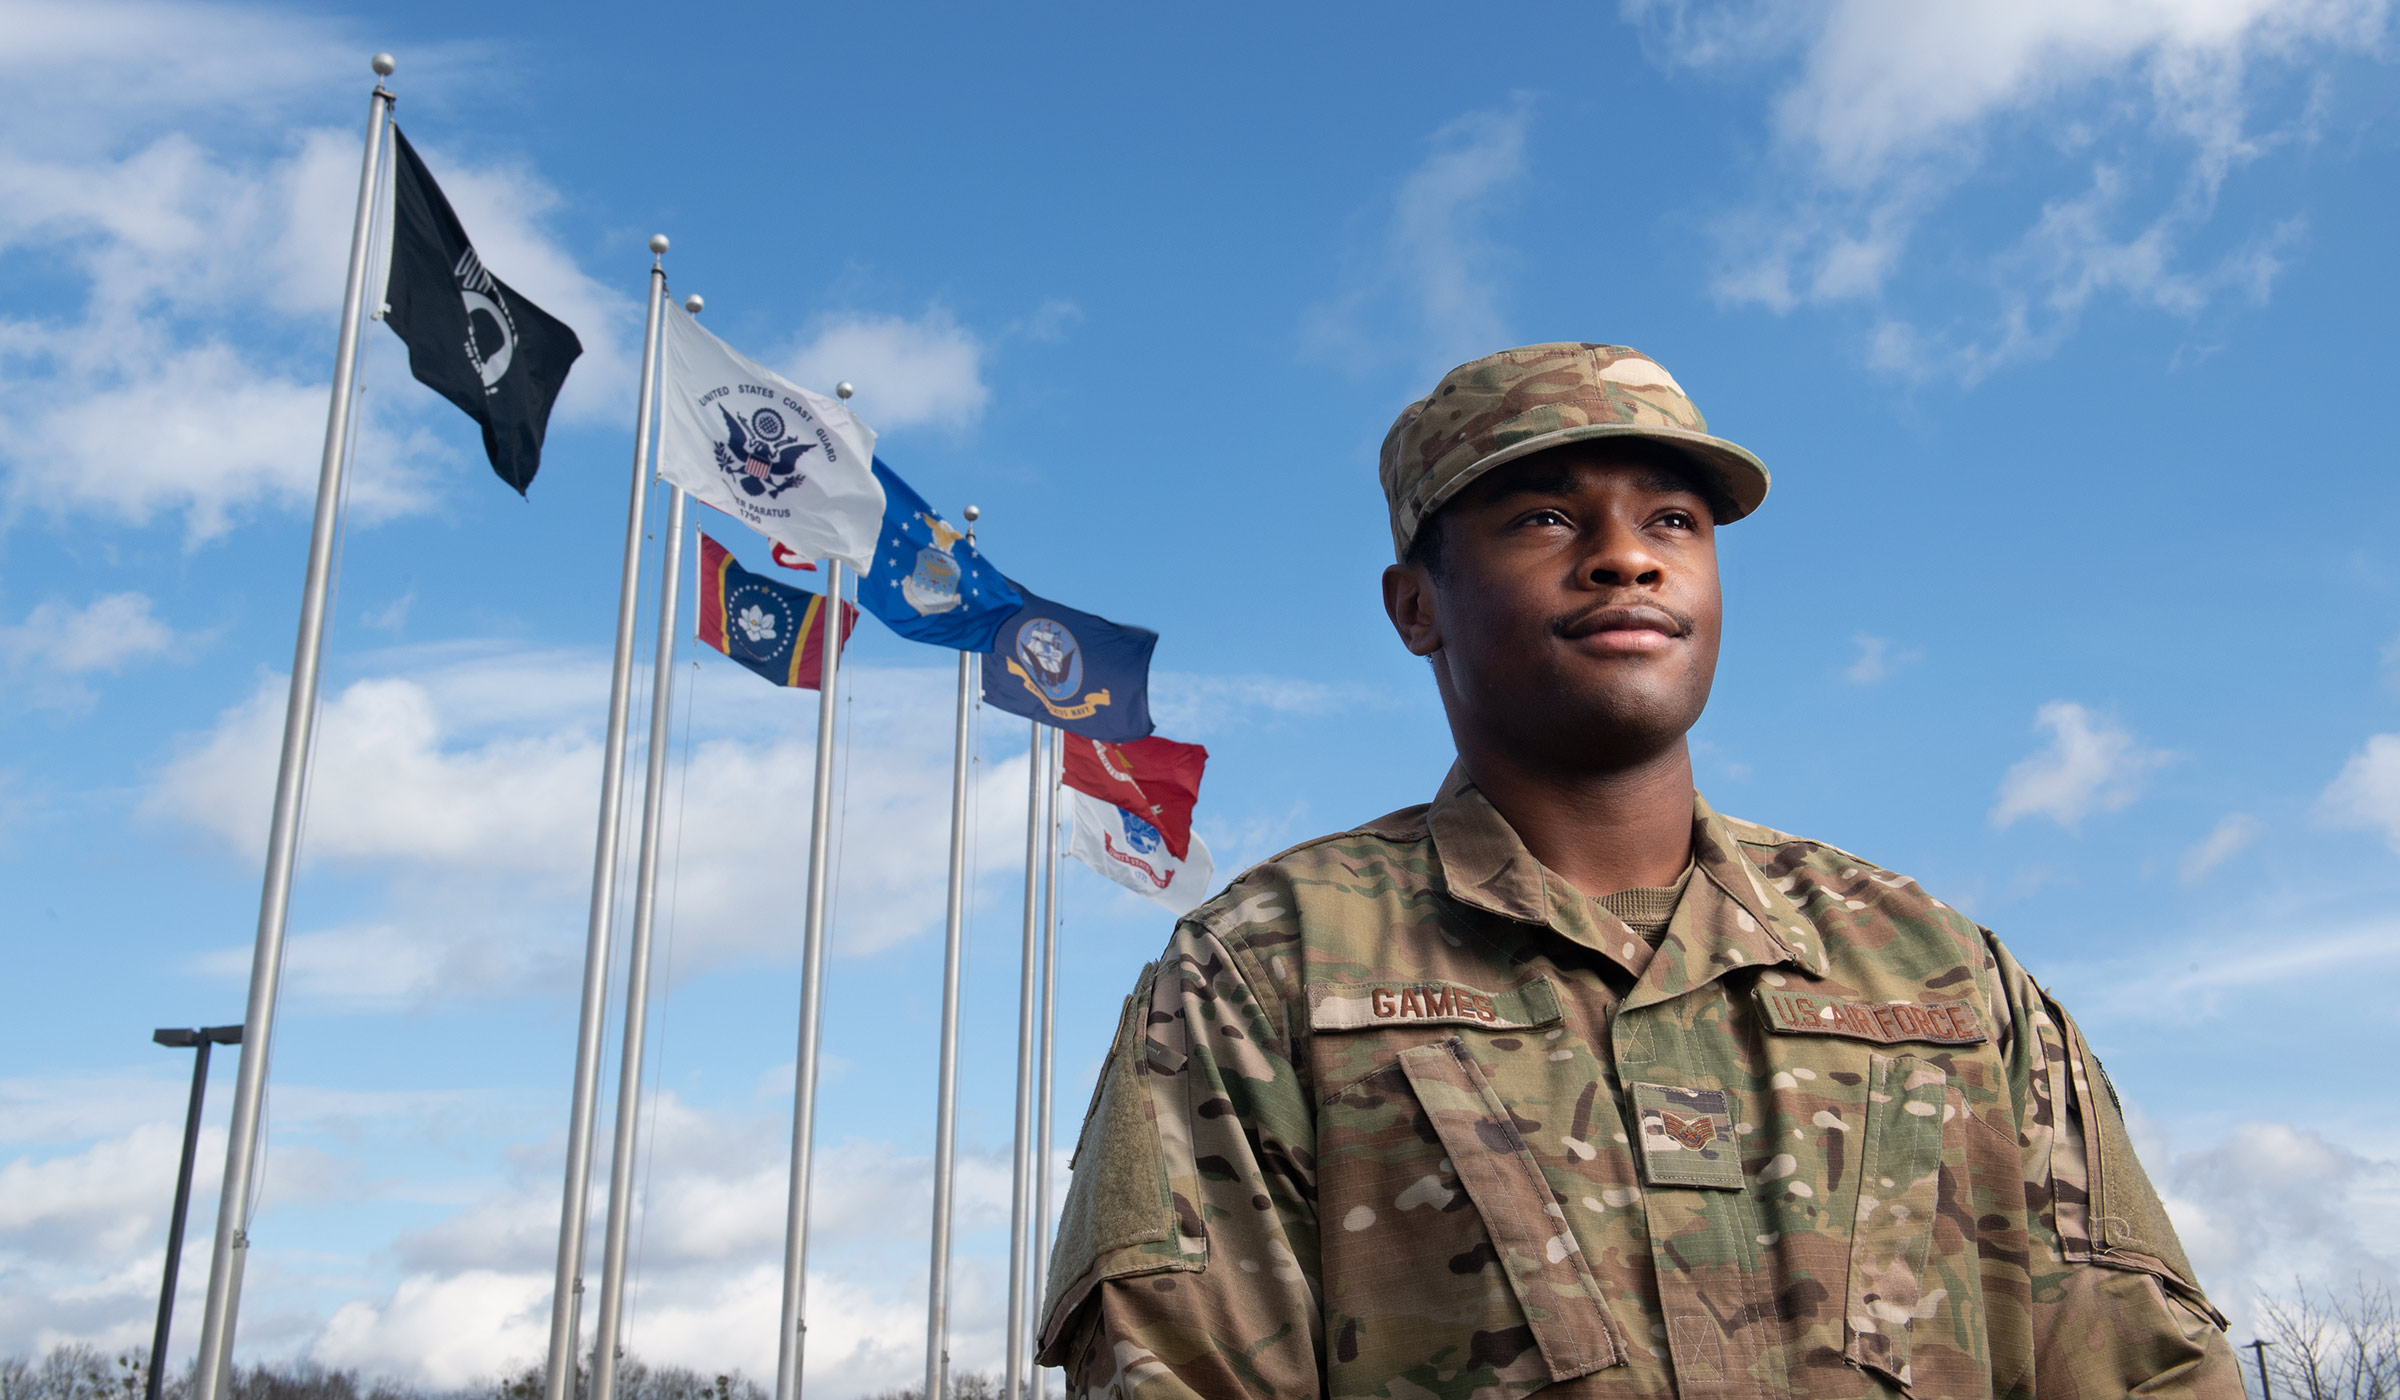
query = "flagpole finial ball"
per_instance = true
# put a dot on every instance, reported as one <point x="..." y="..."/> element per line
<point x="693" y="303"/>
<point x="845" y="388"/>
<point x="973" y="514"/>
<point x="658" y="243"/>
<point x="383" y="64"/>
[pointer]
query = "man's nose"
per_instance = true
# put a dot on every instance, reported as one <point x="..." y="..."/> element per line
<point x="1619" y="555"/>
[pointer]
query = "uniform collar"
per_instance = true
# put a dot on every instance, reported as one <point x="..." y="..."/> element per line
<point x="1731" y="916"/>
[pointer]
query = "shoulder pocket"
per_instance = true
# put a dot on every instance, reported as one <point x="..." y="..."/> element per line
<point x="1119" y="1215"/>
<point x="1529" y="1233"/>
<point x="2125" y="1224"/>
<point x="1898" y="1197"/>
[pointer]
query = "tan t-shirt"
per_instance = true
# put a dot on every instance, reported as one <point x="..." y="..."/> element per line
<point x="1649" y="909"/>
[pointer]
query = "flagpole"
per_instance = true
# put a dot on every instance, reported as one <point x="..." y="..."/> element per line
<point x="283" y="833"/>
<point x="1041" y="1162"/>
<point x="937" y="1304"/>
<point x="1037" y="773"/>
<point x="637" y="975"/>
<point x="566" y="1298"/>
<point x="791" y="1344"/>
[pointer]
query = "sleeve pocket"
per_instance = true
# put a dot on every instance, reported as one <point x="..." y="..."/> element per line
<point x="2127" y="1223"/>
<point x="1538" y="1252"/>
<point x="1119" y="1215"/>
<point x="1898" y="1195"/>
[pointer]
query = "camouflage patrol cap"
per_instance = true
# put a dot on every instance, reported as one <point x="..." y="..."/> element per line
<point x="1518" y="402"/>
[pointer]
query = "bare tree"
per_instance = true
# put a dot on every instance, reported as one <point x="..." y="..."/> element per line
<point x="2333" y="1345"/>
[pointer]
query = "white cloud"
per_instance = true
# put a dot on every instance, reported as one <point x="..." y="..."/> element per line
<point x="2240" y="970"/>
<point x="2367" y="791"/>
<point x="1192" y="706"/>
<point x="206" y="232"/>
<point x="45" y="658"/>
<point x="475" y="1298"/>
<point x="1050" y="321"/>
<point x="909" y="371"/>
<point x="1436" y="277"/>
<point x="2091" y="764"/>
<point x="1887" y="110"/>
<point x="89" y="1173"/>
<point x="246" y="60"/>
<point x="2230" y="837"/>
<point x="484" y="764"/>
<point x="105" y="634"/>
<point x="1877" y="659"/>
<point x="2249" y="1232"/>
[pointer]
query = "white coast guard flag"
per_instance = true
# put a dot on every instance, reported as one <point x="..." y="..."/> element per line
<point x="792" y="465"/>
<point x="1131" y="852"/>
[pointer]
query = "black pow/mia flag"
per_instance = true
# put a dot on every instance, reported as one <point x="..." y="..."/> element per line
<point x="471" y="338"/>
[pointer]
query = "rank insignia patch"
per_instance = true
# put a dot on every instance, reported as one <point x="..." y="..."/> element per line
<point x="1687" y="1137"/>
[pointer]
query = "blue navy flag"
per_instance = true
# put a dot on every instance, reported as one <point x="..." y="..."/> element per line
<point x="1084" y="674"/>
<point x="929" y="583"/>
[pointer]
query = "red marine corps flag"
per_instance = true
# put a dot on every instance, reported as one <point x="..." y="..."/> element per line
<point x="1156" y="779"/>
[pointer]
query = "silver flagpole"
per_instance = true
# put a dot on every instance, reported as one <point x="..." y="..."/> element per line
<point x="937" y="1290"/>
<point x="1042" y="1130"/>
<point x="283" y="833"/>
<point x="637" y="975"/>
<point x="1037" y="776"/>
<point x="566" y="1299"/>
<point x="791" y="1344"/>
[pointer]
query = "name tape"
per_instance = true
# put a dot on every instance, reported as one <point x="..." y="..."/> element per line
<point x="1942" y="1022"/>
<point x="1356" y="1006"/>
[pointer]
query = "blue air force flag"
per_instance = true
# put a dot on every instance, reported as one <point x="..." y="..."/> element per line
<point x="788" y="463"/>
<point x="930" y="584"/>
<point x="1081" y="673"/>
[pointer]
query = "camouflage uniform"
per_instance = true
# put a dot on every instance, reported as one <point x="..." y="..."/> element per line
<point x="1402" y="1114"/>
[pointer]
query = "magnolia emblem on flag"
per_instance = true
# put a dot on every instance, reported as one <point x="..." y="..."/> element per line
<point x="760" y="454"/>
<point x="482" y="294"/>
<point x="761" y="617"/>
<point x="932" y="587"/>
<point x="1050" y="662"/>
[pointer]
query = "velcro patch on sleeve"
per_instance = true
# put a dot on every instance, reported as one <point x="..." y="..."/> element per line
<point x="1364" y="1006"/>
<point x="1884" y="1022"/>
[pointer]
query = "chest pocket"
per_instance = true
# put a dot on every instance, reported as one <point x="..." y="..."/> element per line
<point x="1898" y="1196"/>
<point x="1534" y="1247"/>
<point x="1450" y="1265"/>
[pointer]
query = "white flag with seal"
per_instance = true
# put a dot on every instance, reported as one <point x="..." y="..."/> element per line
<point x="795" y="466"/>
<point x="1131" y="852"/>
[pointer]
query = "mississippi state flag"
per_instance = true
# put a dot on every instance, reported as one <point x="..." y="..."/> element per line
<point x="1156" y="779"/>
<point x="772" y="628"/>
<point x="1133" y="853"/>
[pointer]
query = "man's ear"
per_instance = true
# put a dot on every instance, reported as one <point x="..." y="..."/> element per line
<point x="1408" y="601"/>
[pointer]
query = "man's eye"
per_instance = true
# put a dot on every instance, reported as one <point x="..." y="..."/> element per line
<point x="1546" y="517"/>
<point x="1680" y="520"/>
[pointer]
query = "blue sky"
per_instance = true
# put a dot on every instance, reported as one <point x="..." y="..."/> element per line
<point x="2061" y="325"/>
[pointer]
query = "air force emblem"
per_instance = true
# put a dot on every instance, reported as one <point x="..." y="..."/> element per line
<point x="932" y="587"/>
<point x="759" y="453"/>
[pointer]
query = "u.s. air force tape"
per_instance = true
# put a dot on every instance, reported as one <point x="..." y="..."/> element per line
<point x="1810" y="1013"/>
